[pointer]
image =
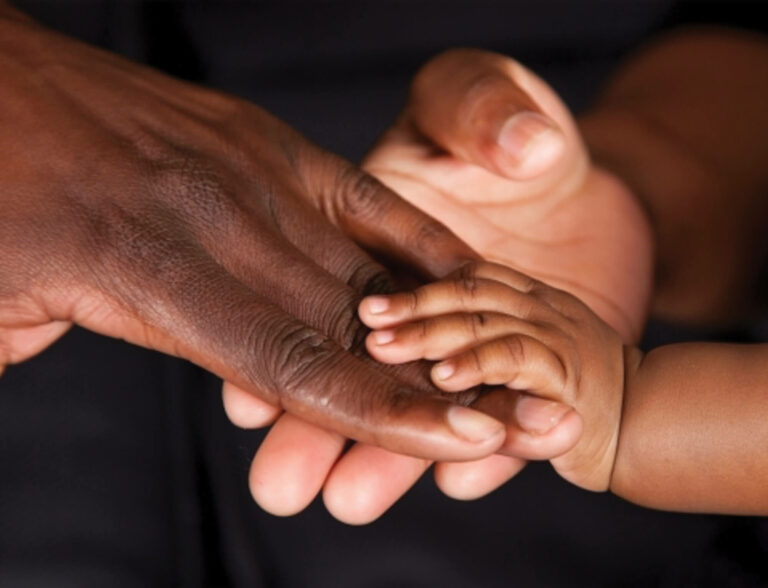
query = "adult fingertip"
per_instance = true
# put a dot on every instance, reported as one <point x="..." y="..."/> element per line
<point x="529" y="144"/>
<point x="279" y="498"/>
<point x="352" y="506"/>
<point x="461" y="481"/>
<point x="367" y="481"/>
<point x="245" y="410"/>
<point x="474" y="426"/>
<point x="538" y="416"/>
<point x="292" y="464"/>
<point x="473" y="480"/>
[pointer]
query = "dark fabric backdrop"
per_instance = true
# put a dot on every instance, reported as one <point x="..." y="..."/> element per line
<point x="117" y="465"/>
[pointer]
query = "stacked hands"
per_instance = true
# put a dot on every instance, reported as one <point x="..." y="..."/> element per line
<point x="149" y="209"/>
<point x="489" y="324"/>
<point x="487" y="148"/>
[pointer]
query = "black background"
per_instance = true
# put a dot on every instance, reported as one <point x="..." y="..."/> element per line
<point x="117" y="465"/>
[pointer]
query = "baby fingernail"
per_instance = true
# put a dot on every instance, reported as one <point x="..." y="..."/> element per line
<point x="377" y="304"/>
<point x="537" y="415"/>
<point x="472" y="425"/>
<point x="531" y="140"/>
<point x="443" y="371"/>
<point x="383" y="337"/>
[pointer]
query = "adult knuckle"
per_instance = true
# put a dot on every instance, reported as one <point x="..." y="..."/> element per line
<point x="306" y="371"/>
<point x="292" y="355"/>
<point x="347" y="329"/>
<point x="431" y="237"/>
<point x="360" y="194"/>
<point x="368" y="277"/>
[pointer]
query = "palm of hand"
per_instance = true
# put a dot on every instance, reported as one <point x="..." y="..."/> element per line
<point x="575" y="226"/>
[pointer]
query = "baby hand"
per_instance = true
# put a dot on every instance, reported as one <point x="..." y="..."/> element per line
<point x="489" y="324"/>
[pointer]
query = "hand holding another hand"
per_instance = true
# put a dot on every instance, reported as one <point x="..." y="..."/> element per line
<point x="538" y="206"/>
<point x="487" y="148"/>
<point x="196" y="224"/>
<point x="487" y="324"/>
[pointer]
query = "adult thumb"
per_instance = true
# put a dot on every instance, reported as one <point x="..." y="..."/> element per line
<point x="489" y="110"/>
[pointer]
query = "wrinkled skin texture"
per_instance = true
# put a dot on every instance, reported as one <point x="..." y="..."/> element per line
<point x="560" y="219"/>
<point x="196" y="224"/>
<point x="488" y="324"/>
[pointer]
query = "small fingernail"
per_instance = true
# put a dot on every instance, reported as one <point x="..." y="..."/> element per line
<point x="531" y="140"/>
<point x="537" y="415"/>
<point x="377" y="304"/>
<point x="383" y="337"/>
<point x="443" y="371"/>
<point x="472" y="425"/>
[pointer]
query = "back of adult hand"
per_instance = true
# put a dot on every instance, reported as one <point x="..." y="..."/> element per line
<point x="194" y="223"/>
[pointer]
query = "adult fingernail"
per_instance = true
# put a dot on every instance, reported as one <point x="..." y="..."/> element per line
<point x="531" y="140"/>
<point x="383" y="337"/>
<point x="472" y="425"/>
<point x="377" y="304"/>
<point x="537" y="415"/>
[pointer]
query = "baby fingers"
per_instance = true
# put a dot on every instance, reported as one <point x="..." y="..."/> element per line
<point x="464" y="294"/>
<point x="517" y="361"/>
<point x="443" y="336"/>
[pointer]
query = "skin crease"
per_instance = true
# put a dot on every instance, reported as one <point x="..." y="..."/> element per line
<point x="153" y="210"/>
<point x="557" y="195"/>
<point x="492" y="325"/>
<point x="691" y="434"/>
<point x="674" y="140"/>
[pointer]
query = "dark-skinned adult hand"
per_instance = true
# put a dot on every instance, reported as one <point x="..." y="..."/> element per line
<point x="196" y="224"/>
<point x="488" y="148"/>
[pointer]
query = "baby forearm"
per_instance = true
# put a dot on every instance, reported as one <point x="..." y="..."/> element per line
<point x="694" y="432"/>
